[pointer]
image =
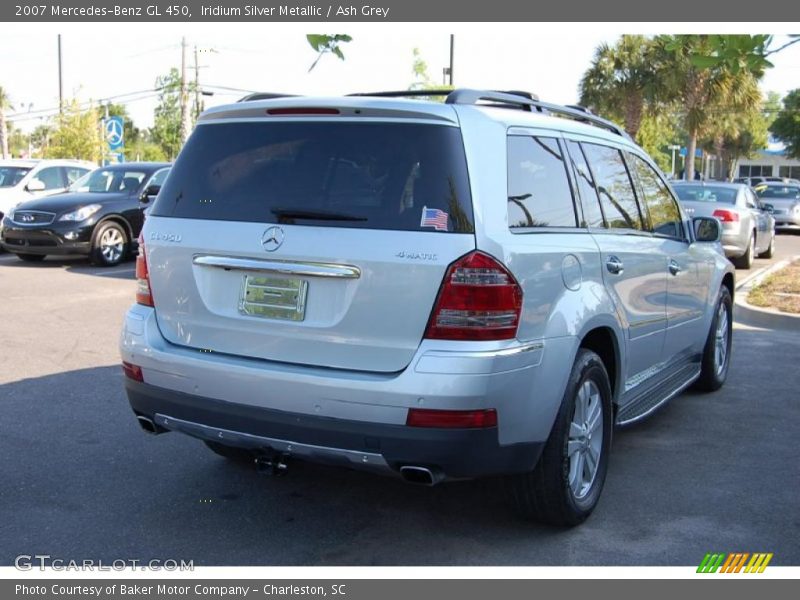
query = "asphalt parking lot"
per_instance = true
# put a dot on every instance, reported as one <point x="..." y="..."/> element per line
<point x="80" y="480"/>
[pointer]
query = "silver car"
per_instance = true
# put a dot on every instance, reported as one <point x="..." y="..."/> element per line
<point x="748" y="228"/>
<point x="429" y="290"/>
<point x="784" y="200"/>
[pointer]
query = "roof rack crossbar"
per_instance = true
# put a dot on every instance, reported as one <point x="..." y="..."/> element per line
<point x="405" y="93"/>
<point x="467" y="96"/>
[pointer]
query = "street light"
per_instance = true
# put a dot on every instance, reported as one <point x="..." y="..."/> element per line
<point x="674" y="147"/>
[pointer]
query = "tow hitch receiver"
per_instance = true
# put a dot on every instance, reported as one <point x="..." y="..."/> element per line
<point x="272" y="464"/>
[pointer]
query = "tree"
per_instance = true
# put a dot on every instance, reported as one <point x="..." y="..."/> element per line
<point x="786" y="126"/>
<point x="740" y="52"/>
<point x="423" y="80"/>
<point x="701" y="89"/>
<point x="657" y="132"/>
<point x="622" y="80"/>
<point x="77" y="134"/>
<point x="5" y="104"/>
<point x="166" y="131"/>
<point x="327" y="44"/>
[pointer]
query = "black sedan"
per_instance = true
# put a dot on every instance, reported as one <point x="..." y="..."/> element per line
<point x="100" y="216"/>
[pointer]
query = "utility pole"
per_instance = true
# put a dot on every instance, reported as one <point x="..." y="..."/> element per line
<point x="60" y="81"/>
<point x="452" y="47"/>
<point x="185" y="115"/>
<point x="196" y="85"/>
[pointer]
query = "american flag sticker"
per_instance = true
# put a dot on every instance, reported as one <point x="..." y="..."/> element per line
<point x="433" y="217"/>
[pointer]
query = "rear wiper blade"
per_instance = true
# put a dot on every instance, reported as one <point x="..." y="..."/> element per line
<point x="319" y="215"/>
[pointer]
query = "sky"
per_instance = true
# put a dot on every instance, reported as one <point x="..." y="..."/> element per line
<point x="104" y="60"/>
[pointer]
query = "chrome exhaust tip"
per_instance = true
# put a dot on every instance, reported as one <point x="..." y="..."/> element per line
<point x="420" y="475"/>
<point x="148" y="425"/>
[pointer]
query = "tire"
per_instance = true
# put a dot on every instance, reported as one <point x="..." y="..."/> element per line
<point x="549" y="494"/>
<point x="31" y="257"/>
<point x="770" y="251"/>
<point x="745" y="261"/>
<point x="713" y="373"/>
<point x="239" y="455"/>
<point x="110" y="245"/>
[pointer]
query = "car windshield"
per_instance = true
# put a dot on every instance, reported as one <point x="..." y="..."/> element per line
<point x="706" y="193"/>
<point x="109" y="181"/>
<point x="11" y="176"/>
<point x="785" y="192"/>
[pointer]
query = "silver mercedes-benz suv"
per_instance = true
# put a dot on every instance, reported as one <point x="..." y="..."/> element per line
<point x="434" y="290"/>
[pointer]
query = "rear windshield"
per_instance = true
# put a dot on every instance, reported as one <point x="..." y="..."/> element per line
<point x="788" y="192"/>
<point x="705" y="193"/>
<point x="397" y="176"/>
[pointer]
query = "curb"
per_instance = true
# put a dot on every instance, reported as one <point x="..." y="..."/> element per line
<point x="764" y="318"/>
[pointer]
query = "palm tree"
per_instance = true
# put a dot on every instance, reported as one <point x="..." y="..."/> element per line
<point x="621" y="80"/>
<point x="5" y="104"/>
<point x="703" y="91"/>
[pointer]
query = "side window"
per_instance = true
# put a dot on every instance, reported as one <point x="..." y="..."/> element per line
<point x="51" y="178"/>
<point x="665" y="216"/>
<point x="74" y="173"/>
<point x="592" y="215"/>
<point x="614" y="187"/>
<point x="750" y="199"/>
<point x="539" y="193"/>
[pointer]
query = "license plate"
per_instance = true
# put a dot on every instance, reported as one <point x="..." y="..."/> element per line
<point x="274" y="298"/>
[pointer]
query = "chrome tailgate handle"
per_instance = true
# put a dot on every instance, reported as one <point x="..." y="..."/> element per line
<point x="302" y="269"/>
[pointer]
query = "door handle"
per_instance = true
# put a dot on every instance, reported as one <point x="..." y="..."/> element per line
<point x="674" y="267"/>
<point x="614" y="265"/>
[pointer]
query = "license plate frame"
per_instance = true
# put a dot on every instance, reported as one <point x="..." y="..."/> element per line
<point x="270" y="297"/>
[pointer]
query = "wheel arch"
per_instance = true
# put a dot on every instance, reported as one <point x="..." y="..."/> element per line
<point x="119" y="220"/>
<point x="604" y="340"/>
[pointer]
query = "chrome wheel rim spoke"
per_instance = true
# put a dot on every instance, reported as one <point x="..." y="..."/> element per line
<point x="585" y="442"/>
<point x="111" y="245"/>
<point x="721" y="339"/>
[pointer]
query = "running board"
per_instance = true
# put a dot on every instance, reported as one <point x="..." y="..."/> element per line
<point x="650" y="400"/>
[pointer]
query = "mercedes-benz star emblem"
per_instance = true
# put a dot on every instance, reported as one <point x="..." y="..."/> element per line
<point x="272" y="239"/>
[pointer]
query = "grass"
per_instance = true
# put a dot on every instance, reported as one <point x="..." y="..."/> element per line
<point x="780" y="291"/>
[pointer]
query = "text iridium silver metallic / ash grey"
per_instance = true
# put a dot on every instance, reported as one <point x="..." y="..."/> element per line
<point x="433" y="290"/>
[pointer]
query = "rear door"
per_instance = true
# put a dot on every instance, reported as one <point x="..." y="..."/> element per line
<point x="313" y="241"/>
<point x="633" y="262"/>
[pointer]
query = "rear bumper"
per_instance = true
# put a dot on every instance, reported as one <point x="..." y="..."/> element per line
<point x="345" y="412"/>
<point x="381" y="448"/>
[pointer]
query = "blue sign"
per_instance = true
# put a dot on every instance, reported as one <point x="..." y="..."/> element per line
<point x="698" y="152"/>
<point x="114" y="133"/>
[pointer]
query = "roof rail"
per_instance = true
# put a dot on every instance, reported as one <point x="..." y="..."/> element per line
<point x="264" y="96"/>
<point x="467" y="96"/>
<point x="406" y="93"/>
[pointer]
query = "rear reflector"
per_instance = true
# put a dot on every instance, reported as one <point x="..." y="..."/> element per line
<point x="143" y="293"/>
<point x="726" y="216"/>
<point x="452" y="419"/>
<point x="132" y="371"/>
<point x="479" y="300"/>
<point x="302" y="110"/>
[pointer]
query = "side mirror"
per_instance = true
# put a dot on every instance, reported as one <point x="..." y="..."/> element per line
<point x="706" y="229"/>
<point x="35" y="185"/>
<point x="149" y="192"/>
<point x="768" y="208"/>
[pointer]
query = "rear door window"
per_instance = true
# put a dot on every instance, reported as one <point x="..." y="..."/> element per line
<point x="539" y="193"/>
<point x="614" y="187"/>
<point x="399" y="176"/>
<point x="592" y="215"/>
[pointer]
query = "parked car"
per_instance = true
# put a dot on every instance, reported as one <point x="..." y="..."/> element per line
<point x="754" y="181"/>
<point x="784" y="199"/>
<point x="748" y="229"/>
<point x="427" y="290"/>
<point x="22" y="180"/>
<point x="100" y="217"/>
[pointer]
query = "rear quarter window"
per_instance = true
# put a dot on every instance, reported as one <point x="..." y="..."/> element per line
<point x="396" y="176"/>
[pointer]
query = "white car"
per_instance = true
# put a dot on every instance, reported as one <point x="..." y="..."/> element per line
<point x="22" y="179"/>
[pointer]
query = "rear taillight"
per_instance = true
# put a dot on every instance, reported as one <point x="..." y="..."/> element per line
<point x="132" y="371"/>
<point x="479" y="300"/>
<point x="143" y="294"/>
<point x="452" y="419"/>
<point x="726" y="216"/>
